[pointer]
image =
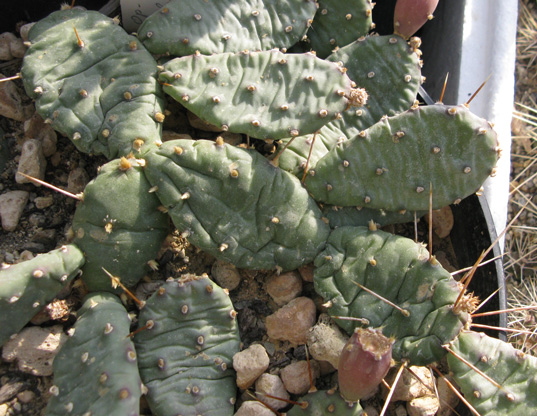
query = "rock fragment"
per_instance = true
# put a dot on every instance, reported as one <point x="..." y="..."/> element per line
<point x="292" y="321"/>
<point x="250" y="364"/>
<point x="12" y="205"/>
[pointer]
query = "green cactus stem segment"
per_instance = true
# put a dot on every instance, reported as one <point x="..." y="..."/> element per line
<point x="259" y="93"/>
<point x="118" y="226"/>
<point x="505" y="384"/>
<point x="96" y="84"/>
<point x="103" y="359"/>
<point x="397" y="269"/>
<point x="234" y="204"/>
<point x="186" y="355"/>
<point x="450" y="148"/>
<point x="185" y="27"/>
<point x="28" y="286"/>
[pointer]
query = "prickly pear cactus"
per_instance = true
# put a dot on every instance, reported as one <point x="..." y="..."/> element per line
<point x="397" y="269"/>
<point x="411" y="15"/>
<point x="96" y="370"/>
<point x="27" y="287"/>
<point x="389" y="70"/>
<point x="267" y="95"/>
<point x="118" y="225"/>
<point x="393" y="164"/>
<point x="324" y="402"/>
<point x="514" y="373"/>
<point x="338" y="23"/>
<point x="183" y="27"/>
<point x="186" y="351"/>
<point x="93" y="82"/>
<point x="234" y="204"/>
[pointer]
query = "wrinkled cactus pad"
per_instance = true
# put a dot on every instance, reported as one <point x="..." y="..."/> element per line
<point x="393" y="164"/>
<point x="96" y="371"/>
<point x="267" y="95"/>
<point x="93" y="82"/>
<point x="234" y="204"/>
<point x="512" y="370"/>
<point x="186" y="352"/>
<point x="118" y="225"/>
<point x="183" y="27"/>
<point x="397" y="269"/>
<point x="25" y="288"/>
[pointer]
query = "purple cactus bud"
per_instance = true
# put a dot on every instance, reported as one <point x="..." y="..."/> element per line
<point x="410" y="15"/>
<point x="363" y="363"/>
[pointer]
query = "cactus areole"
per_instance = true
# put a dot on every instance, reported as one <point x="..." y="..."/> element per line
<point x="363" y="363"/>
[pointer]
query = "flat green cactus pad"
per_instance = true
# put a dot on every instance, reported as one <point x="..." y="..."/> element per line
<point x="96" y="371"/>
<point x="393" y="164"/>
<point x="397" y="269"/>
<point x="183" y="27"/>
<point x="27" y="287"/>
<point x="93" y="82"/>
<point x="510" y="368"/>
<point x="267" y="95"/>
<point x="186" y="353"/>
<point x="234" y="204"/>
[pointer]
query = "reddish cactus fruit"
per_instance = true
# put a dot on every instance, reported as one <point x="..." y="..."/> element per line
<point x="363" y="363"/>
<point x="410" y="15"/>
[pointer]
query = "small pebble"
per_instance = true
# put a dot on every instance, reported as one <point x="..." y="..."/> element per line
<point x="24" y="30"/>
<point x="442" y="221"/>
<point x="409" y="387"/>
<point x="423" y="406"/>
<point x="326" y="341"/>
<point x="11" y="105"/>
<point x="306" y="272"/>
<point x="250" y="364"/>
<point x="200" y="124"/>
<point x="77" y="180"/>
<point x="233" y="139"/>
<point x="4" y="408"/>
<point x="253" y="408"/>
<point x="296" y="376"/>
<point x="12" y="205"/>
<point x="17" y="48"/>
<point x="284" y="287"/>
<point x="32" y="162"/>
<point x="26" y="396"/>
<point x="34" y="349"/>
<point x="272" y="385"/>
<point x="42" y="202"/>
<point x="5" y="51"/>
<point x="225" y="274"/>
<point x="171" y="135"/>
<point x="292" y="321"/>
<point x="36" y="128"/>
<point x="448" y="399"/>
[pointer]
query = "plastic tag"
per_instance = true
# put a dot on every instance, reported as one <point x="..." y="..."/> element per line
<point x="134" y="12"/>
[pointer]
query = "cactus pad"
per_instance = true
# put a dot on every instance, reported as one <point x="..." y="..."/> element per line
<point x="118" y="225"/>
<point x="259" y="93"/>
<point x="449" y="147"/>
<point x="93" y="82"/>
<point x="397" y="269"/>
<point x="186" y="353"/>
<point x="96" y="371"/>
<point x="234" y="204"/>
<point x="513" y="370"/>
<point x="26" y="287"/>
<point x="183" y="27"/>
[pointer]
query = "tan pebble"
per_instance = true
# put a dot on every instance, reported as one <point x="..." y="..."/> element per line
<point x="442" y="221"/>
<point x="253" y="408"/>
<point x="226" y="274"/>
<point x="272" y="385"/>
<point x="284" y="287"/>
<point x="292" y="321"/>
<point x="11" y="103"/>
<point x="32" y="161"/>
<point x="296" y="376"/>
<point x="12" y="205"/>
<point x="250" y="364"/>
<point x="5" y="51"/>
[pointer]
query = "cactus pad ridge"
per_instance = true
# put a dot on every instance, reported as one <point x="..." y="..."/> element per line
<point x="258" y="93"/>
<point x="28" y="286"/>
<point x="513" y="370"/>
<point x="234" y="204"/>
<point x="102" y="356"/>
<point x="185" y="27"/>
<point x="98" y="86"/>
<point x="185" y="357"/>
<point x="397" y="269"/>
<point x="451" y="149"/>
<point x="324" y="402"/>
